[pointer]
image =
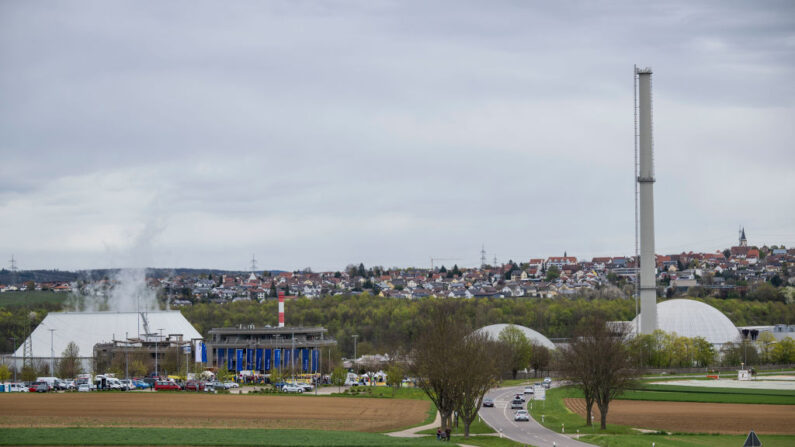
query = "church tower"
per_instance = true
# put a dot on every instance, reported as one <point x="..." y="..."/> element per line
<point x="743" y="240"/>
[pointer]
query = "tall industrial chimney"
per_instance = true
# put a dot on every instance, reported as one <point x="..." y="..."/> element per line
<point x="645" y="179"/>
<point x="281" y="308"/>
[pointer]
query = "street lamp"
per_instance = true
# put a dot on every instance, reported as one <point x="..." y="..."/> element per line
<point x="52" y="352"/>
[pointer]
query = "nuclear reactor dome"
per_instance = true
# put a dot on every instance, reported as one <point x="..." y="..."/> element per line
<point x="533" y="336"/>
<point x="690" y="318"/>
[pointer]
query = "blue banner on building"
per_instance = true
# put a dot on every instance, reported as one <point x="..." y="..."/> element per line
<point x="240" y="360"/>
<point x="258" y="361"/>
<point x="267" y="360"/>
<point x="288" y="358"/>
<point x="315" y="360"/>
<point x="249" y="359"/>
<point x="277" y="358"/>
<point x="305" y="360"/>
<point x="230" y="359"/>
<point x="204" y="353"/>
<point x="221" y="352"/>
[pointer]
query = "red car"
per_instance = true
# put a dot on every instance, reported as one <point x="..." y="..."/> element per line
<point x="39" y="387"/>
<point x="194" y="385"/>
<point x="165" y="385"/>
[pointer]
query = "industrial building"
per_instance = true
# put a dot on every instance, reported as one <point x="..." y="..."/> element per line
<point x="49" y="340"/>
<point x="259" y="350"/>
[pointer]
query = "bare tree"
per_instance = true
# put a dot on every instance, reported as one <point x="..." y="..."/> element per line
<point x="598" y="360"/>
<point x="539" y="359"/>
<point x="434" y="353"/>
<point x="479" y="371"/>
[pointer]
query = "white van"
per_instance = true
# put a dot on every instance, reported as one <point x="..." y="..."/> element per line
<point x="51" y="381"/>
<point x="16" y="388"/>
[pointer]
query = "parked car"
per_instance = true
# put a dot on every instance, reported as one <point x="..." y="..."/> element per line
<point x="488" y="402"/>
<point x="230" y="384"/>
<point x="521" y="415"/>
<point x="166" y="385"/>
<point x="292" y="389"/>
<point x="516" y="403"/>
<point x="194" y="385"/>
<point x="127" y="385"/>
<point x="214" y="385"/>
<point x="529" y="390"/>
<point x="141" y="385"/>
<point x="84" y="388"/>
<point x="39" y="387"/>
<point x="16" y="388"/>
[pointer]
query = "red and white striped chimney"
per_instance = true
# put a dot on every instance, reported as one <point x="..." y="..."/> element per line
<point x="281" y="308"/>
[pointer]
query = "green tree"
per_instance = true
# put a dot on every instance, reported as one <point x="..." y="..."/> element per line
<point x="338" y="377"/>
<point x="5" y="373"/>
<point x="784" y="351"/>
<point x="28" y="374"/>
<point x="394" y="376"/>
<point x="518" y="347"/>
<point x="539" y="358"/>
<point x="70" y="365"/>
<point x="553" y="273"/>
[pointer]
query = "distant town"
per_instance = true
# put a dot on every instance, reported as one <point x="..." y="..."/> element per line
<point x="731" y="273"/>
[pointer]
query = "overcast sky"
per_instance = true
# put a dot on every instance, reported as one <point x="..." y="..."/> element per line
<point x="195" y="134"/>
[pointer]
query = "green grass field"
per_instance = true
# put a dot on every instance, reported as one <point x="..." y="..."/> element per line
<point x="555" y="413"/>
<point x="200" y="437"/>
<point x="679" y="393"/>
<point x="684" y="440"/>
<point x="15" y="299"/>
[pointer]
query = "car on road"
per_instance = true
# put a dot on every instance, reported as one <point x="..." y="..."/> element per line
<point x="519" y="397"/>
<point x="529" y="390"/>
<point x="488" y="402"/>
<point x="289" y="388"/>
<point x="516" y="403"/>
<point x="521" y="415"/>
<point x="84" y="388"/>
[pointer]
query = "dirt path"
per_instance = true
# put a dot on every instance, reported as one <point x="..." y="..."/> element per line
<point x="209" y="411"/>
<point x="692" y="417"/>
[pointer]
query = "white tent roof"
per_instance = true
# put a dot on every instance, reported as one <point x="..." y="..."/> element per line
<point x="89" y="328"/>
<point x="533" y="336"/>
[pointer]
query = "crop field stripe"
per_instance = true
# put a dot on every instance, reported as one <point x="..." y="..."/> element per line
<point x="199" y="437"/>
<point x="696" y="389"/>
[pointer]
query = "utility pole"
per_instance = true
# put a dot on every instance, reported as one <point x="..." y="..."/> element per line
<point x="355" y="336"/>
<point x="52" y="352"/>
<point x="292" y="360"/>
<point x="126" y="356"/>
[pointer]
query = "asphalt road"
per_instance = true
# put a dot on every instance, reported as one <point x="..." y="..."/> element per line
<point x="500" y="418"/>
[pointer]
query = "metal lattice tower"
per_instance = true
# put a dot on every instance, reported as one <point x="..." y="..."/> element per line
<point x="483" y="256"/>
<point x="253" y="264"/>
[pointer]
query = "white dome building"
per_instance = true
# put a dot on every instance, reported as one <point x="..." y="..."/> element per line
<point x="690" y="318"/>
<point x="533" y="336"/>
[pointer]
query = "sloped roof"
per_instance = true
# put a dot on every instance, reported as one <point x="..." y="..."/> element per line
<point x="89" y="328"/>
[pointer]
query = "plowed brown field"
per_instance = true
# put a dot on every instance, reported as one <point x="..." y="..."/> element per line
<point x="202" y="410"/>
<point x="692" y="417"/>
